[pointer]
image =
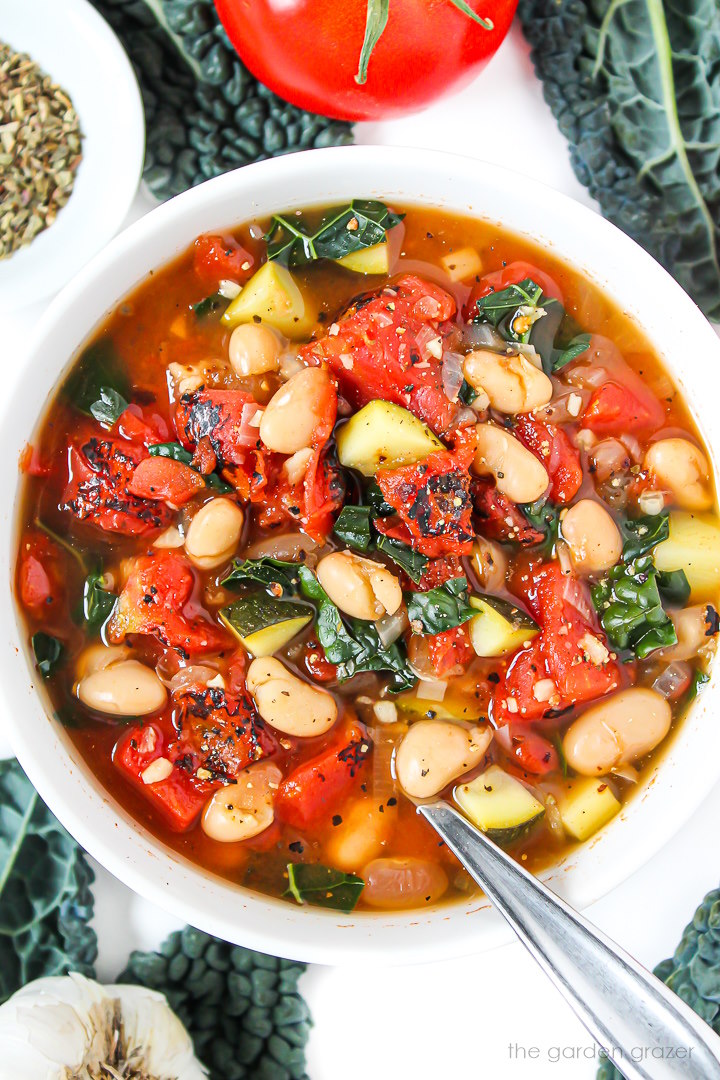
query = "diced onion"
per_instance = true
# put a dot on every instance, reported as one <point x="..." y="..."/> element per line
<point x="563" y="557"/>
<point x="651" y="502"/>
<point x="229" y="289"/>
<point x="193" y="676"/>
<point x="673" y="680"/>
<point x="427" y="342"/>
<point x="626" y="772"/>
<point x="452" y="374"/>
<point x="431" y="689"/>
<point x="529" y="352"/>
<point x="553" y="818"/>
<point x="390" y="627"/>
<point x="483" y="336"/>
<point x="382" y="318"/>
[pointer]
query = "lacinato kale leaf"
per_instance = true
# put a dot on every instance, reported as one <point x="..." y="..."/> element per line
<point x="109" y="407"/>
<point x="279" y="576"/>
<point x="635" y="87"/>
<point x="572" y="350"/>
<point x="98" y="602"/>
<point x="439" y="609"/>
<point x="98" y="372"/>
<point x="209" y="305"/>
<point x="362" y="223"/>
<point x="414" y="563"/>
<point x="497" y="306"/>
<point x="524" y="315"/>
<point x="323" y="886"/>
<point x="354" y="645"/>
<point x="353" y="527"/>
<point x="643" y="533"/>
<point x="630" y="606"/>
<point x="45" y="898"/>
<point x="48" y="652"/>
<point x="544" y="516"/>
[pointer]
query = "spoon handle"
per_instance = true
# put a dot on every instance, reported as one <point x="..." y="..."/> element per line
<point x="649" y="1033"/>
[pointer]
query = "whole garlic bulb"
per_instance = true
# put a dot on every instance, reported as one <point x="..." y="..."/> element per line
<point x="68" y="1027"/>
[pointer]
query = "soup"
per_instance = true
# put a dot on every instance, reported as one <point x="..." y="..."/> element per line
<point x="356" y="508"/>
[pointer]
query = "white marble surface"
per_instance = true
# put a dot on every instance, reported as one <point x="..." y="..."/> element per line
<point x="493" y="1014"/>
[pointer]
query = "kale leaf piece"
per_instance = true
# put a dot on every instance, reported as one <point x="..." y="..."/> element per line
<point x="277" y="575"/>
<point x="242" y="1008"/>
<point x="635" y="88"/>
<point x="323" y="886"/>
<point x="439" y="609"/>
<point x="362" y="223"/>
<point x="693" y="972"/>
<point x="204" y="112"/>
<point x="45" y="898"/>
<point x="629" y="600"/>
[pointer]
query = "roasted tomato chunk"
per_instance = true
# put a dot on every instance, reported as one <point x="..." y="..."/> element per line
<point x="156" y="600"/>
<point x="553" y="448"/>
<point x="220" y="256"/>
<point x="219" y="732"/>
<point x="380" y="350"/>
<point x="314" y="790"/>
<point x="616" y="409"/>
<point x="498" y="518"/>
<point x="98" y="490"/>
<point x="450" y="651"/>
<point x="223" y="417"/>
<point x="165" y="480"/>
<point x="432" y="499"/>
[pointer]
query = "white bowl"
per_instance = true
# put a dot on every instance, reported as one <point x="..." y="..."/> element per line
<point x="74" y="45"/>
<point x="647" y="293"/>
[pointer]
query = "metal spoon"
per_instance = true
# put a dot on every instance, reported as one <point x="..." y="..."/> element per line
<point x="648" y="1032"/>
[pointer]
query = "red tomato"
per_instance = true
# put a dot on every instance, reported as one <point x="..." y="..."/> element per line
<point x="180" y="797"/>
<point x="499" y="518"/>
<point x="143" y="427"/>
<point x="165" y="480"/>
<point x="317" y="664"/>
<point x="308" y="51"/>
<point x="314" y="790"/>
<point x="223" y="417"/>
<point x="437" y="572"/>
<point x="99" y="474"/>
<point x="220" y="731"/>
<point x="450" y="651"/>
<point x="432" y="499"/>
<point x="218" y="257"/>
<point x="156" y="600"/>
<point x="533" y="753"/>
<point x="512" y="274"/>
<point x="570" y="651"/>
<point x="615" y="409"/>
<point x="31" y="463"/>
<point x="385" y="362"/>
<point x="552" y="447"/>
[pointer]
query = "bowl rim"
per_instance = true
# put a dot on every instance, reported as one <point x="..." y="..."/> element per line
<point x="123" y="846"/>
<point x="55" y="35"/>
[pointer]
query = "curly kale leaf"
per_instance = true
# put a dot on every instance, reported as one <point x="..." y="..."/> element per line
<point x="635" y="87"/>
<point x="205" y="113"/>
<point x="45" y="897"/>
<point x="242" y="1008"/>
<point x="693" y="972"/>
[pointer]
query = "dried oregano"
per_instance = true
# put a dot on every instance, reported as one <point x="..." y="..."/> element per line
<point x="40" y="149"/>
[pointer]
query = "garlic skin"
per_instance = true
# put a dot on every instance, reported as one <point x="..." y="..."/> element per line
<point x="68" y="1027"/>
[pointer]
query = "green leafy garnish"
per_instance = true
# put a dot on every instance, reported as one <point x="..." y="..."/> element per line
<point x="414" y="563"/>
<point x="698" y="680"/>
<point x="353" y="527"/>
<point x="45" y="900"/>
<point x="97" y="601"/>
<point x="178" y="452"/>
<point x="575" y="348"/>
<point x="267" y="571"/>
<point x="109" y="407"/>
<point x="343" y="229"/>
<point x="374" y="498"/>
<point x="674" y="587"/>
<point x="97" y="372"/>
<point x="635" y="93"/>
<point x="353" y="645"/>
<point x="48" y="651"/>
<point x="630" y="606"/>
<point x="641" y="534"/>
<point x="544" y="516"/>
<point x="467" y="393"/>
<point x="208" y="306"/>
<point x="323" y="886"/>
<point x="498" y="306"/>
<point x="439" y="609"/>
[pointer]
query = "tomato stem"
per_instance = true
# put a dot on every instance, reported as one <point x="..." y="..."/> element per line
<point x="377" y="17"/>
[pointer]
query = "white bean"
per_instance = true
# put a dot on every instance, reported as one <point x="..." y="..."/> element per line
<point x="592" y="537"/>
<point x="99" y="656"/>
<point x="288" y="703"/>
<point x="245" y="809"/>
<point x="691" y="626"/>
<point x="360" y="587"/>
<point x="617" y="731"/>
<point x="365" y="829"/>
<point x="681" y="467"/>
<point x="254" y="350"/>
<point x="295" y="410"/>
<point x="435" y="752"/>
<point x="403" y="882"/>
<point x="125" y="688"/>
<point x="214" y="533"/>
<point x="518" y="473"/>
<point x="512" y="383"/>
